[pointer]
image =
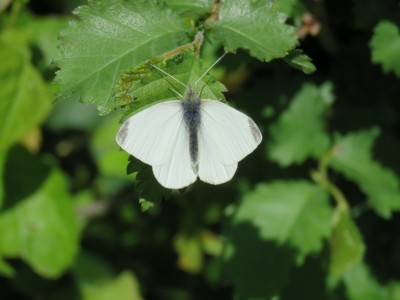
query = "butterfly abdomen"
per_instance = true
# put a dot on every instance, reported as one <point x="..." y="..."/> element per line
<point x="192" y="119"/>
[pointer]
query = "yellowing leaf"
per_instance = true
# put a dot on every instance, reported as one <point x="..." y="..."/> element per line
<point x="125" y="286"/>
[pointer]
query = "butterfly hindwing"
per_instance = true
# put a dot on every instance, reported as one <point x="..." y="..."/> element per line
<point x="177" y="172"/>
<point x="211" y="170"/>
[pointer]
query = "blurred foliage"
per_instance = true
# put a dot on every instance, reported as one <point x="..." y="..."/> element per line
<point x="313" y="213"/>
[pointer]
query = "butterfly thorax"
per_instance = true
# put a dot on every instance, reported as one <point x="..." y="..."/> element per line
<point x="192" y="118"/>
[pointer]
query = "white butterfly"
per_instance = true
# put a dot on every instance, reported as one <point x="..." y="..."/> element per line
<point x="190" y="138"/>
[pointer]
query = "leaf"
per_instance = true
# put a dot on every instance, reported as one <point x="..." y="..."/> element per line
<point x="24" y="98"/>
<point x="251" y="25"/>
<point x="3" y="155"/>
<point x="6" y="270"/>
<point x="91" y="272"/>
<point x="110" y="159"/>
<point x="299" y="132"/>
<point x="293" y="8"/>
<point x="385" y="46"/>
<point x="80" y="117"/>
<point x="151" y="192"/>
<point x="256" y="267"/>
<point x="41" y="227"/>
<point x="360" y="285"/>
<point x="190" y="254"/>
<point x="346" y="247"/>
<point x="186" y="67"/>
<point x="125" y="286"/>
<point x="109" y="38"/>
<point x="353" y="158"/>
<point x="294" y="213"/>
<point x="194" y="7"/>
<point x="298" y="60"/>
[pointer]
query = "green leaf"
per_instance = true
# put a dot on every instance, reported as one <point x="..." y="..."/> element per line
<point x="294" y="213"/>
<point x="39" y="33"/>
<point x="346" y="246"/>
<point x="150" y="190"/>
<point x="24" y="98"/>
<point x="194" y="7"/>
<point x="186" y="67"/>
<point x="3" y="155"/>
<point x="298" y="60"/>
<point x="111" y="160"/>
<point x="292" y="8"/>
<point x="251" y="25"/>
<point x="80" y="117"/>
<point x="385" y="46"/>
<point x="190" y="254"/>
<point x="109" y="38"/>
<point x="353" y="158"/>
<point x="91" y="272"/>
<point x="5" y="269"/>
<point x="299" y="132"/>
<point x="256" y="267"/>
<point x="125" y="286"/>
<point x="360" y="285"/>
<point x="41" y="226"/>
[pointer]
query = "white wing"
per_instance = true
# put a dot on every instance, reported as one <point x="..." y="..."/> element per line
<point x="150" y="135"/>
<point x="211" y="170"/>
<point x="177" y="172"/>
<point x="231" y="135"/>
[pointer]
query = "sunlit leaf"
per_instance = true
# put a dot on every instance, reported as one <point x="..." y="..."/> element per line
<point x="360" y="285"/>
<point x="110" y="159"/>
<point x="193" y="7"/>
<point x="300" y="133"/>
<point x="353" y="157"/>
<point x="24" y="97"/>
<point x="111" y="37"/>
<point x="297" y="214"/>
<point x="187" y="68"/>
<point x="125" y="286"/>
<point x="190" y="255"/>
<point x="40" y="227"/>
<point x="253" y="26"/>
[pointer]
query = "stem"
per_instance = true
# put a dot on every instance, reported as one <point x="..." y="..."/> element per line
<point x="321" y="177"/>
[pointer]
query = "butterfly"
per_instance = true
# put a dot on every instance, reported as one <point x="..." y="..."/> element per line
<point x="190" y="138"/>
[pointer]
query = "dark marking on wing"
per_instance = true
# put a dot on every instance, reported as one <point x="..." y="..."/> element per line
<point x="255" y="132"/>
<point x="123" y="133"/>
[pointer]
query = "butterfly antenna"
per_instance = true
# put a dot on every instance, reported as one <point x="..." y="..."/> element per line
<point x="208" y="70"/>
<point x="165" y="73"/>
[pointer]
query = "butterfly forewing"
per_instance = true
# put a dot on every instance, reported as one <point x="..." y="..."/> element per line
<point x="151" y="134"/>
<point x="211" y="170"/>
<point x="231" y="134"/>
